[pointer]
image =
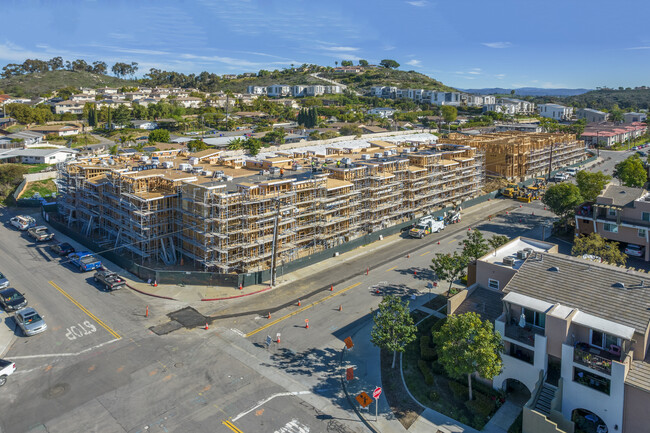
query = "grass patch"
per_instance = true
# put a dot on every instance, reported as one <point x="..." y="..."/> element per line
<point x="43" y="187"/>
<point x="78" y="140"/>
<point x="37" y="168"/>
<point x="401" y="404"/>
<point x="430" y="385"/>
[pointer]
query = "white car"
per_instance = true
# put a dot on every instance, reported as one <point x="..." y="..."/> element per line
<point x="22" y="222"/>
<point x="635" y="250"/>
<point x="6" y="369"/>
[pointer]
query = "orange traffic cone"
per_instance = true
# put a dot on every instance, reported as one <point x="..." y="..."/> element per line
<point x="269" y="316"/>
<point x="299" y="302"/>
<point x="438" y="242"/>
<point x="155" y="283"/>
<point x="415" y="272"/>
<point x="340" y="307"/>
<point x="240" y="287"/>
<point x="331" y="287"/>
<point x="206" y="326"/>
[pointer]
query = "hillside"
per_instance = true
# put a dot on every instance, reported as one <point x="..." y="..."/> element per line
<point x="632" y="99"/>
<point x="287" y="77"/>
<point x="527" y="91"/>
<point x="387" y="77"/>
<point x="38" y="83"/>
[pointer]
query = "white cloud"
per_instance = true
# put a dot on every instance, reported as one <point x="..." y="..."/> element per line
<point x="475" y="71"/>
<point x="639" y="48"/>
<point x="389" y="47"/>
<point x="500" y="76"/>
<point x="497" y="44"/>
<point x="414" y="62"/>
<point x="340" y="49"/>
<point x="418" y="3"/>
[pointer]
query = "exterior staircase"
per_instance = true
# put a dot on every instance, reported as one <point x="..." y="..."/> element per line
<point x="543" y="403"/>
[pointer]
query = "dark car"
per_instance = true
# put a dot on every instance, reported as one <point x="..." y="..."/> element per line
<point x="62" y="249"/>
<point x="109" y="279"/>
<point x="12" y="300"/>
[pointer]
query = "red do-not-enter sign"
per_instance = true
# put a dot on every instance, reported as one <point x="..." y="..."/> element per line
<point x="376" y="393"/>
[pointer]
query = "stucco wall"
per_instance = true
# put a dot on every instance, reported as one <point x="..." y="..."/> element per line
<point x="636" y="415"/>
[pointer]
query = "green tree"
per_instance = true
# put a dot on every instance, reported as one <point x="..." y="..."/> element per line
<point x="591" y="184"/>
<point x="196" y="145"/>
<point x="363" y="62"/>
<point x="109" y="118"/>
<point x="122" y="116"/>
<point x="159" y="136"/>
<point x="475" y="245"/>
<point x="236" y="143"/>
<point x="346" y="63"/>
<point x="253" y="145"/>
<point x="466" y="344"/>
<point x="350" y="130"/>
<point x="449" y="267"/>
<point x="562" y="199"/>
<point x="631" y="172"/>
<point x="114" y="149"/>
<point x="389" y="64"/>
<point x="449" y="113"/>
<point x="21" y="112"/>
<point x="393" y="328"/>
<point x="596" y="245"/>
<point x="497" y="240"/>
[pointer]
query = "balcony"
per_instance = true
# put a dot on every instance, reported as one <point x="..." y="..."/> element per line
<point x="524" y="335"/>
<point x="594" y="358"/>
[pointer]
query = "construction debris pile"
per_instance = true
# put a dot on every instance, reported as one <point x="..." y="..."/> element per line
<point x="519" y="155"/>
<point x="218" y="213"/>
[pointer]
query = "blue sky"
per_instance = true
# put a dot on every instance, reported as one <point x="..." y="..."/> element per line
<point x="463" y="43"/>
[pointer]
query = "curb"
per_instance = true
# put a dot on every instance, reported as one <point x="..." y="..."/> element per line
<point x="350" y="400"/>
<point x="150" y="294"/>
<point x="237" y="296"/>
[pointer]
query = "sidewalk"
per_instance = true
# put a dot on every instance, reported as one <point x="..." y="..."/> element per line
<point x="7" y="332"/>
<point x="208" y="293"/>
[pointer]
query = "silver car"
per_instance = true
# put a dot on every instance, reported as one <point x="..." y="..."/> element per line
<point x="29" y="321"/>
<point x="4" y="282"/>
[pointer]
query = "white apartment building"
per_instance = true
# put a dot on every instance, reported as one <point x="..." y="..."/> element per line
<point x="383" y="112"/>
<point x="445" y="98"/>
<point x="555" y="111"/>
<point x="256" y="90"/>
<point x="278" y="90"/>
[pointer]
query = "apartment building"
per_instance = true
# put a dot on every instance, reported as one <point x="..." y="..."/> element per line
<point x="620" y="214"/>
<point x="591" y="115"/>
<point x="278" y="90"/>
<point x="555" y="111"/>
<point x="217" y="212"/>
<point x="608" y="134"/>
<point x="522" y="155"/>
<point x="634" y="117"/>
<point x="575" y="334"/>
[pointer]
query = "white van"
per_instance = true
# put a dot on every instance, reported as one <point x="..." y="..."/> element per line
<point x="571" y="171"/>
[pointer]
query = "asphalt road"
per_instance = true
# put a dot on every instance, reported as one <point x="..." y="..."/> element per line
<point x="100" y="368"/>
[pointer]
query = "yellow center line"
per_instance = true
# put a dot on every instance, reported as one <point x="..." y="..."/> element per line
<point x="82" y="308"/>
<point x="231" y="426"/>
<point x="388" y="270"/>
<point x="451" y="241"/>
<point x="424" y="254"/>
<point x="306" y="307"/>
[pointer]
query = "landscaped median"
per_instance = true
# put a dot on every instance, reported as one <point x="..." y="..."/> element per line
<point x="429" y="383"/>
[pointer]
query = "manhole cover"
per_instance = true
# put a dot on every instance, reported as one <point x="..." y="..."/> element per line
<point x="166" y="328"/>
<point x="56" y="391"/>
<point x="188" y="317"/>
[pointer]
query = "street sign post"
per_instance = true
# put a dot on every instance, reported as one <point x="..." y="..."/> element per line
<point x="375" y="394"/>
<point x="268" y="340"/>
<point x="349" y="374"/>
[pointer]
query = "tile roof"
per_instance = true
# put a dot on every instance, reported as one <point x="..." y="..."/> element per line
<point x="587" y="286"/>
<point x="639" y="374"/>
<point x="622" y="195"/>
<point x="485" y="302"/>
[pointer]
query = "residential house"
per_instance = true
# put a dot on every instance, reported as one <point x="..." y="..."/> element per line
<point x="107" y="91"/>
<point x="6" y="122"/>
<point x="189" y="102"/>
<point x="634" y="117"/>
<point x="521" y="106"/>
<point x="144" y="124"/>
<point x="607" y="134"/>
<point x="229" y="76"/>
<point x="249" y="74"/>
<point x="21" y="139"/>
<point x="256" y="90"/>
<point x="575" y="334"/>
<point x="555" y="111"/>
<point x="383" y="112"/>
<point x="60" y="130"/>
<point x="38" y="156"/>
<point x="88" y="91"/>
<point x="591" y="115"/>
<point x="621" y="214"/>
<point x="74" y="107"/>
<point x="83" y="97"/>
<point x="501" y="107"/>
<point x="348" y="70"/>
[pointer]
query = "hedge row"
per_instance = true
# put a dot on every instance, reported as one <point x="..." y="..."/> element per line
<point x="427" y="353"/>
<point x="426" y="372"/>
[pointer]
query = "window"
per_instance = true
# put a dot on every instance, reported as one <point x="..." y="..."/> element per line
<point x="535" y="318"/>
<point x="645" y="216"/>
<point x="603" y="340"/>
<point x="642" y="233"/>
<point x="613" y="228"/>
<point x="493" y="284"/>
<point x="591" y="380"/>
<point x="612" y="212"/>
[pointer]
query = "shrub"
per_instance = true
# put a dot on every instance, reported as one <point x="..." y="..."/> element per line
<point x="426" y="352"/>
<point x="434" y="396"/>
<point x="426" y="372"/>
<point x="482" y="406"/>
<point x="438" y="368"/>
<point x="460" y="391"/>
<point x="436" y="327"/>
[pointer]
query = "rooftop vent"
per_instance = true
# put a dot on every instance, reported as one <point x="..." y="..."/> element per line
<point x="619" y="285"/>
<point x="554" y="269"/>
<point x="509" y="261"/>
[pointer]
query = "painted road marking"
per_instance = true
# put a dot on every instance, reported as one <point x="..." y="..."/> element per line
<point x="425" y="253"/>
<point x="293" y="426"/>
<point x="393" y="268"/>
<point x="231" y="426"/>
<point x="82" y="308"/>
<point x="79" y="330"/>
<point x="451" y="241"/>
<point x="266" y="400"/>
<point x="49" y="355"/>
<point x="306" y="307"/>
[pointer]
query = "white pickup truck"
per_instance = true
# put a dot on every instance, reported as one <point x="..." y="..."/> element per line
<point x="6" y="369"/>
<point x="426" y="226"/>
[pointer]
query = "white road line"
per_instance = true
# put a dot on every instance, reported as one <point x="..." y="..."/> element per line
<point x="55" y="355"/>
<point x="238" y="332"/>
<point x="293" y="426"/>
<point x="266" y="400"/>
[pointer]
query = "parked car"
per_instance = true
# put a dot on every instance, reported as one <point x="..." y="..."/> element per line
<point x="635" y="250"/>
<point x="571" y="171"/>
<point x="560" y="177"/>
<point x="62" y="249"/>
<point x="29" y="321"/>
<point x="641" y="153"/>
<point x="6" y="369"/>
<point x="110" y="280"/>
<point x="22" y="222"/>
<point x="40" y="234"/>
<point x="12" y="300"/>
<point x="4" y="282"/>
<point x="85" y="261"/>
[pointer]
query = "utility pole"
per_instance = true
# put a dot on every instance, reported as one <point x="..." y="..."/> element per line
<point x="550" y="162"/>
<point x="275" y="243"/>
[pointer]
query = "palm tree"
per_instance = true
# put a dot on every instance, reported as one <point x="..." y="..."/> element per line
<point x="236" y="144"/>
<point x="114" y="149"/>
